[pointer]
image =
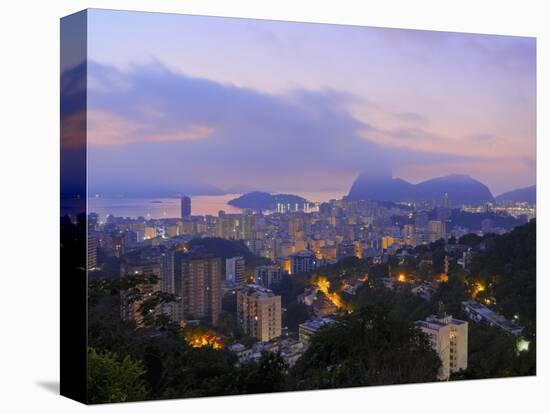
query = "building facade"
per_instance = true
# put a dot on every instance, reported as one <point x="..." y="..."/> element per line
<point x="449" y="338"/>
<point x="259" y="312"/>
<point x="198" y="286"/>
<point x="185" y="206"/>
<point x="235" y="271"/>
<point x="266" y="276"/>
<point x="304" y="261"/>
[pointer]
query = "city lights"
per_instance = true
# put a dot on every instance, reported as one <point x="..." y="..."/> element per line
<point x="199" y="339"/>
<point x="477" y="289"/>
<point x="323" y="284"/>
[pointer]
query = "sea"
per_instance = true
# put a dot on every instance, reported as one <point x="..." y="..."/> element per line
<point x="159" y="208"/>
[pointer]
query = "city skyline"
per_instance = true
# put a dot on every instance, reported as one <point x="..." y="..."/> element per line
<point x="288" y="107"/>
<point x="257" y="206"/>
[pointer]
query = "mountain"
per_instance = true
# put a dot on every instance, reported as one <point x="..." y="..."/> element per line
<point x="461" y="189"/>
<point x="526" y="194"/>
<point x="258" y="200"/>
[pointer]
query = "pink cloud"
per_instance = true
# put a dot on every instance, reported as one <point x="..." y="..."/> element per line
<point x="107" y="129"/>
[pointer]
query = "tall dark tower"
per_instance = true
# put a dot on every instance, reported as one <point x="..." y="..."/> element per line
<point x="185" y="206"/>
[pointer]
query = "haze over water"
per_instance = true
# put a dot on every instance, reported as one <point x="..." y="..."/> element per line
<point x="162" y="208"/>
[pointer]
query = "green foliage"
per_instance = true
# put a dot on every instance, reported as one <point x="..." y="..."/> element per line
<point x="266" y="375"/>
<point x="226" y="323"/>
<point x="367" y="347"/>
<point x="296" y="313"/>
<point x="493" y="353"/>
<point x="512" y="258"/>
<point x="226" y="249"/>
<point x="349" y="267"/>
<point x="112" y="378"/>
<point x="401" y="303"/>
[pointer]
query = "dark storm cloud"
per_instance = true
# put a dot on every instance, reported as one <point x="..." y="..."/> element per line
<point x="151" y="128"/>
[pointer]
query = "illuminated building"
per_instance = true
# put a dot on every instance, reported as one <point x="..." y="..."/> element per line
<point x="285" y="265"/>
<point x="185" y="206"/>
<point x="91" y="258"/>
<point x="197" y="284"/>
<point x="236" y="226"/>
<point x="139" y="229"/>
<point x="315" y="246"/>
<point x="408" y="234"/>
<point x="187" y="227"/>
<point x="285" y="249"/>
<point x="248" y="227"/>
<point x="234" y="271"/>
<point x="295" y="225"/>
<point x="173" y="230"/>
<point x="387" y="242"/>
<point x="259" y="312"/>
<point x="449" y="338"/>
<point x="299" y="244"/>
<point x="150" y="233"/>
<point x="436" y="228"/>
<point x="267" y="275"/>
<point x="328" y="252"/>
<point x="346" y="249"/>
<point x="302" y="262"/>
<point x="226" y="227"/>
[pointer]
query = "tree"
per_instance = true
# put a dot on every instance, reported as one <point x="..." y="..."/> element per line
<point x="114" y="379"/>
<point x="493" y="353"/>
<point x="266" y="375"/>
<point x="367" y="347"/>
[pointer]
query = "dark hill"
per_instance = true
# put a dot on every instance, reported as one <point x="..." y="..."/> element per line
<point x="462" y="189"/>
<point x="526" y="194"/>
<point x="258" y="200"/>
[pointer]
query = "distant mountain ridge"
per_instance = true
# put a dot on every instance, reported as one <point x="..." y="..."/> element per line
<point x="259" y="200"/>
<point x="461" y="189"/>
<point x="525" y="194"/>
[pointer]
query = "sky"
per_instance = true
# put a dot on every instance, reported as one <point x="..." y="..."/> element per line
<point x="207" y="105"/>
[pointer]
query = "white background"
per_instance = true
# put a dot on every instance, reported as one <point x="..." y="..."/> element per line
<point x="29" y="163"/>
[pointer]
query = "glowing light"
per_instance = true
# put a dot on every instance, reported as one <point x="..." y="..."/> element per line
<point x="323" y="284"/>
<point x="401" y="278"/>
<point x="200" y="339"/>
<point x="478" y="288"/>
<point x="442" y="278"/>
<point x="522" y="345"/>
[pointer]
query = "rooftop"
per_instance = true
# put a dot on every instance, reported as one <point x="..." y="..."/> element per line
<point x="491" y="316"/>
<point x="315" y="324"/>
<point x="303" y="253"/>
<point x="435" y="322"/>
<point x="257" y="291"/>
